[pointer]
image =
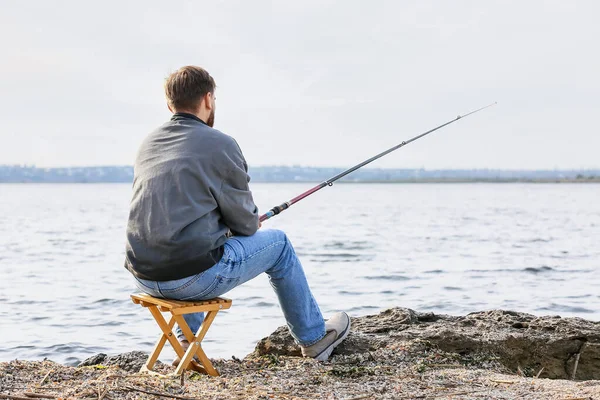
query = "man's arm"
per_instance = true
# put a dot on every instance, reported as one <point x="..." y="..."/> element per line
<point x="234" y="198"/>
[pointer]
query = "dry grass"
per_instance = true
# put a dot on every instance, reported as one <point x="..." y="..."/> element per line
<point x="391" y="373"/>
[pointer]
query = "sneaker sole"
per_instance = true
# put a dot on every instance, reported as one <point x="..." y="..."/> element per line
<point x="324" y="355"/>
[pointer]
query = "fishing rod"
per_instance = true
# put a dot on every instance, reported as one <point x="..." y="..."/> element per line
<point x="329" y="182"/>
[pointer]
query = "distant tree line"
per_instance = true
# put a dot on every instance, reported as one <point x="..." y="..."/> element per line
<point x="11" y="173"/>
<point x="18" y="173"/>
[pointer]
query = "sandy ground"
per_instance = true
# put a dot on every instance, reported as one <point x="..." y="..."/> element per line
<point x="389" y="374"/>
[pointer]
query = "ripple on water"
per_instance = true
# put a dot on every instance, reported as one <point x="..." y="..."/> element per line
<point x="30" y="302"/>
<point x="543" y="268"/>
<point x="73" y="352"/>
<point x="350" y="292"/>
<point x="559" y="256"/>
<point x="356" y="245"/>
<point x="564" y="308"/>
<point x="110" y="301"/>
<point x="583" y="296"/>
<point x="434" y="271"/>
<point x="251" y="298"/>
<point x="477" y="277"/>
<point x="127" y="315"/>
<point x="390" y="277"/>
<point x="339" y="257"/>
<point x="343" y="260"/>
<point x="72" y="361"/>
<point x="361" y="308"/>
<point x="491" y="270"/>
<point x="24" y="347"/>
<point x="538" y="240"/>
<point x="438" y="306"/>
<point x="336" y="255"/>
<point x="263" y="304"/>
<point x="37" y="319"/>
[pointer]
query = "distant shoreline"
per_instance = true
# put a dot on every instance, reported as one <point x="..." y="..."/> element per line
<point x="393" y="182"/>
<point x="309" y="175"/>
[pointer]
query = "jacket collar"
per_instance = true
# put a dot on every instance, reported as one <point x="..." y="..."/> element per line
<point x="178" y="116"/>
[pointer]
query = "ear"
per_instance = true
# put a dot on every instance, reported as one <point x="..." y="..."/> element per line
<point x="208" y="101"/>
<point x="170" y="109"/>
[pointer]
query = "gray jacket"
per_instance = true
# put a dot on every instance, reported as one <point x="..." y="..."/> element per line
<point x="190" y="192"/>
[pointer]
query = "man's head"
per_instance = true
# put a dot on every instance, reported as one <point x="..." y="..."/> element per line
<point x="191" y="89"/>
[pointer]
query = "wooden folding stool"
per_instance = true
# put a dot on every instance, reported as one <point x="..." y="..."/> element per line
<point x="177" y="310"/>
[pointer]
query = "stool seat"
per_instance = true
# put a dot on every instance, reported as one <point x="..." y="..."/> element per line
<point x="177" y="308"/>
<point x="164" y="305"/>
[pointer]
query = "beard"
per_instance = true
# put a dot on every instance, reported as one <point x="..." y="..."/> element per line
<point x="211" y="119"/>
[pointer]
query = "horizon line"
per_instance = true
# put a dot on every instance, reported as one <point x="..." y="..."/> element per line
<point x="328" y="167"/>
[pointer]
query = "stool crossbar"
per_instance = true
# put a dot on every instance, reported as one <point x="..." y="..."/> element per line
<point x="177" y="309"/>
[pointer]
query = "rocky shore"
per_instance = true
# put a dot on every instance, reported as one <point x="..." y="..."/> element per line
<point x="397" y="354"/>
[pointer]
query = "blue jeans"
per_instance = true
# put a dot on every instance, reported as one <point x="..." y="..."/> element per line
<point x="245" y="257"/>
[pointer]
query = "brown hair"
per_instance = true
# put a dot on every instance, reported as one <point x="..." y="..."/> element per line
<point x="186" y="87"/>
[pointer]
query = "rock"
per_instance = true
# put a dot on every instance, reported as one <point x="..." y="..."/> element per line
<point x="519" y="341"/>
<point x="279" y="342"/>
<point x="93" y="360"/>
<point x="131" y="362"/>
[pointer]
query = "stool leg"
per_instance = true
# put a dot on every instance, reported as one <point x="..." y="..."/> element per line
<point x="187" y="332"/>
<point x="195" y="347"/>
<point x="158" y="347"/>
<point x="185" y="328"/>
<point x="167" y="330"/>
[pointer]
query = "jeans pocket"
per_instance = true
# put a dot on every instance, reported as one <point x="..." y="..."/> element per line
<point x="219" y="286"/>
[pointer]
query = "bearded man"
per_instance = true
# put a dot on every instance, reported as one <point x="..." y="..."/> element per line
<point x="193" y="230"/>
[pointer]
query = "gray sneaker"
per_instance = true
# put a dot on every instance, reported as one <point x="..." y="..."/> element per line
<point x="185" y="344"/>
<point x="337" y="328"/>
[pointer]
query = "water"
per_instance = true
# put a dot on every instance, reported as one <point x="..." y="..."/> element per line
<point x="447" y="248"/>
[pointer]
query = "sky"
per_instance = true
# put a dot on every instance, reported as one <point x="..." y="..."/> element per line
<point x="319" y="83"/>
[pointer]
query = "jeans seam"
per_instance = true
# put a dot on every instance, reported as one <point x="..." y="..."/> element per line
<point x="144" y="285"/>
<point x="218" y="281"/>
<point x="226" y="257"/>
<point x="324" y="333"/>
<point x="263" y="249"/>
<point x="222" y="278"/>
<point x="151" y="290"/>
<point x="211" y="288"/>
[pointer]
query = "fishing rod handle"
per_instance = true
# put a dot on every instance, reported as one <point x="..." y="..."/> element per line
<point x="274" y="211"/>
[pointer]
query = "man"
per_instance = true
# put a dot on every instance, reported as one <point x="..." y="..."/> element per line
<point x="193" y="225"/>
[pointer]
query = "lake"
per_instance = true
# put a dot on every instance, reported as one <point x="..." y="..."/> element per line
<point x="445" y="248"/>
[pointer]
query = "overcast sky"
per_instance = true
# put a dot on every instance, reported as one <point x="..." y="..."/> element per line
<point x="324" y="83"/>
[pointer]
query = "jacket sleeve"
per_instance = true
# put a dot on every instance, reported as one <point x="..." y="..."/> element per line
<point x="234" y="198"/>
